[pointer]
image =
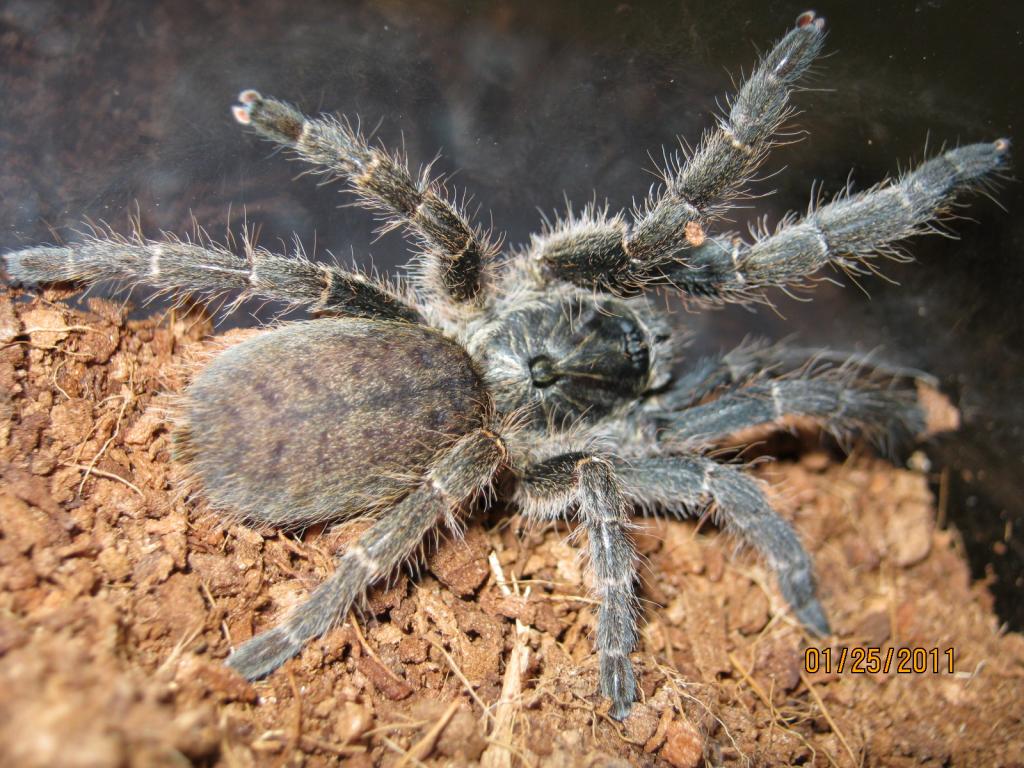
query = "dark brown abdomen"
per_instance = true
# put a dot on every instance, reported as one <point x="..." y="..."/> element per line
<point x="325" y="419"/>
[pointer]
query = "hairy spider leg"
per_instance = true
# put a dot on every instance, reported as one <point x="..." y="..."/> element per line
<point x="455" y="255"/>
<point x="547" y="491"/>
<point x="455" y="478"/>
<point x="605" y="253"/>
<point x="758" y="360"/>
<point x="210" y="271"/>
<point x="841" y="406"/>
<point x="846" y="233"/>
<point x="685" y="485"/>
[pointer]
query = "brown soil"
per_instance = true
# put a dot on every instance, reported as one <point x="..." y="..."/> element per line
<point x="119" y="599"/>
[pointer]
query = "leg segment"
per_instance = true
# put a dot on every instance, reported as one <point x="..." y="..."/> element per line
<point x="209" y="271"/>
<point x="760" y="360"/>
<point x="546" y="491"/>
<point x="456" y="255"/>
<point x="456" y="478"/>
<point x="841" y="405"/>
<point x="846" y="234"/>
<point x="688" y="484"/>
<point x="603" y="252"/>
<point x="730" y="154"/>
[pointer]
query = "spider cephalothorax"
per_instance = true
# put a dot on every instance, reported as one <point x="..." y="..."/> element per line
<point x="548" y="365"/>
<point x="570" y="355"/>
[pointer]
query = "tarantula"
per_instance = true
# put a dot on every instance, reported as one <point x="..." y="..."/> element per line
<point x="546" y="364"/>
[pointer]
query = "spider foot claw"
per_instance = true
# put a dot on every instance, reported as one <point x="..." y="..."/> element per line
<point x="797" y="586"/>
<point x="249" y="99"/>
<point x="263" y="654"/>
<point x="249" y="96"/>
<point x="273" y="119"/>
<point x="618" y="683"/>
<point x="809" y="17"/>
<point x="812" y="616"/>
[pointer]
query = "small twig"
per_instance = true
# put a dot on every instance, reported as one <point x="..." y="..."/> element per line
<point x="672" y="675"/>
<point x="335" y="749"/>
<point x="422" y="748"/>
<point x="542" y="582"/>
<point x="410" y="726"/>
<point x="126" y="400"/>
<point x="218" y="611"/>
<point x="62" y="329"/>
<point x="499" y="574"/>
<point x="297" y="727"/>
<point x="179" y="647"/>
<point x="291" y="546"/>
<point x="497" y="754"/>
<point x="617" y="729"/>
<point x="766" y="700"/>
<point x="108" y="476"/>
<point x="465" y="682"/>
<point x="828" y="717"/>
<point x="43" y="329"/>
<point x="398" y="750"/>
<point x="370" y="652"/>
<point x="273" y="740"/>
<point x="511" y="749"/>
<point x="208" y="595"/>
<point x="569" y="599"/>
<point x="53" y="378"/>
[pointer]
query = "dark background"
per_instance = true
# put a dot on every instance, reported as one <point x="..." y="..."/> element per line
<point x="105" y="106"/>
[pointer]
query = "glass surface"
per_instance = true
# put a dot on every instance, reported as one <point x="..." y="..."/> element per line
<point x="108" y="108"/>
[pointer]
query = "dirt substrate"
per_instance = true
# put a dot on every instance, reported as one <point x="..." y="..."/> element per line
<point x="119" y="599"/>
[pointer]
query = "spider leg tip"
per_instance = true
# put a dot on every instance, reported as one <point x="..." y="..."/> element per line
<point x="812" y="616"/>
<point x="249" y="96"/>
<point x="810" y="17"/>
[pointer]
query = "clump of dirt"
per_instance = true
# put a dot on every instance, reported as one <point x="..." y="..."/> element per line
<point x="120" y="598"/>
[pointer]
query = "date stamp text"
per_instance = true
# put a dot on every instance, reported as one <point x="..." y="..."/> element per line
<point x="873" y="661"/>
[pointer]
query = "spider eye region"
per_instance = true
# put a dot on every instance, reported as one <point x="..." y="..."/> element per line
<point x="593" y="362"/>
<point x="542" y="371"/>
<point x="573" y="356"/>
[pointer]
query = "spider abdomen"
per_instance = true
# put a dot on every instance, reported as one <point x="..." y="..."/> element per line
<point x="325" y="419"/>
